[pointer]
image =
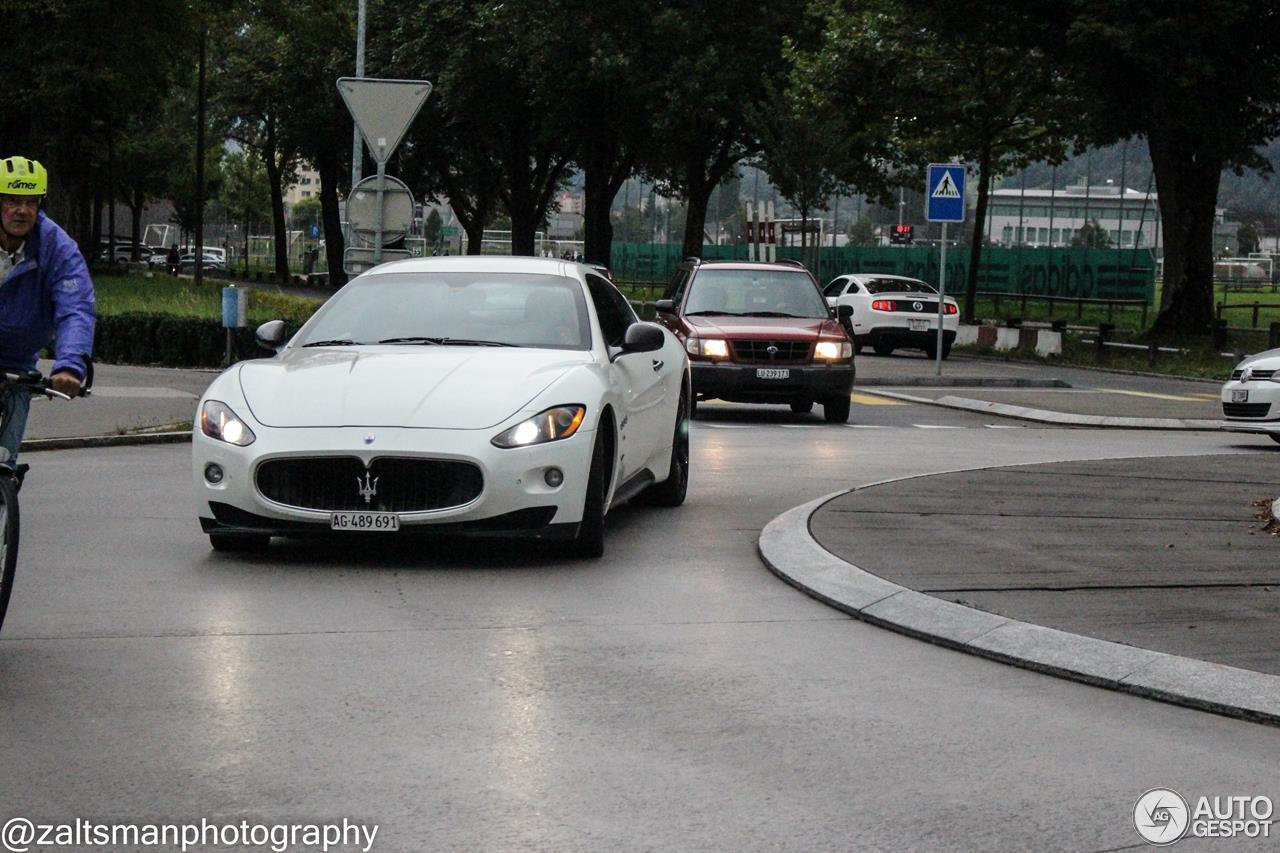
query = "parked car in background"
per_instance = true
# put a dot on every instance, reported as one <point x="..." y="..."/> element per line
<point x="760" y="333"/>
<point x="212" y="262"/>
<point x="1251" y="397"/>
<point x="893" y="311"/>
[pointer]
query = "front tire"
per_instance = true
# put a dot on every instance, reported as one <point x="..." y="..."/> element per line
<point x="836" y="409"/>
<point x="589" y="543"/>
<point x="239" y="543"/>
<point x="8" y="540"/>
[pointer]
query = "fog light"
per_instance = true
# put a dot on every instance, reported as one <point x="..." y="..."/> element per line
<point x="213" y="473"/>
<point x="554" y="477"/>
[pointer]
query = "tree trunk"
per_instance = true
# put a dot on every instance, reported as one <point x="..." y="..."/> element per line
<point x="475" y="235"/>
<point x="980" y="222"/>
<point x="275" y="172"/>
<point x="696" y="216"/>
<point x="329" y="165"/>
<point x="135" y="223"/>
<point x="604" y="174"/>
<point x="95" y="233"/>
<point x="1187" y="185"/>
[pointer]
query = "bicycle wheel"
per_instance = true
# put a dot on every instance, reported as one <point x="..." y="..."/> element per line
<point x="8" y="540"/>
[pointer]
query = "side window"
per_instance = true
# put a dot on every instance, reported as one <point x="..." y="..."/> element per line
<point x="612" y="308"/>
<point x="676" y="286"/>
<point x="834" y="288"/>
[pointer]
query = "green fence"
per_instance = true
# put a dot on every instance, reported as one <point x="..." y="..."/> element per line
<point x="1067" y="273"/>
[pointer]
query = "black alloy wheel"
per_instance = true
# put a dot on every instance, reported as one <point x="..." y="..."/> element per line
<point x="589" y="542"/>
<point x="672" y="491"/>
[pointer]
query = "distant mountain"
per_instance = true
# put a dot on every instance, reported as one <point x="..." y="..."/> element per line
<point x="1249" y="197"/>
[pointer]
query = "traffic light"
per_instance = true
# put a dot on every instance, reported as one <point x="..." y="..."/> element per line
<point x="901" y="235"/>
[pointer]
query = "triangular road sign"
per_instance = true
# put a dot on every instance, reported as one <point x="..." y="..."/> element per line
<point x="946" y="188"/>
<point x="383" y="109"/>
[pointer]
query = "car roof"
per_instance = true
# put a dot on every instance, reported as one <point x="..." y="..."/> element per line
<point x="863" y="276"/>
<point x="477" y="263"/>
<point x="752" y="265"/>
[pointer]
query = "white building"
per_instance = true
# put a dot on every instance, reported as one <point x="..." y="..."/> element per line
<point x="308" y="186"/>
<point x="1054" y="217"/>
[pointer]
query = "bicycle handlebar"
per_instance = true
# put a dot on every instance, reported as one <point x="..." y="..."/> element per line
<point x="36" y="382"/>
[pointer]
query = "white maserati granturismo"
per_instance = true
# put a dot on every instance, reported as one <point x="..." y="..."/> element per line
<point x="470" y="394"/>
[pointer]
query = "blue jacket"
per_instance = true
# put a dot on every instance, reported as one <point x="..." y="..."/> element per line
<point x="49" y="294"/>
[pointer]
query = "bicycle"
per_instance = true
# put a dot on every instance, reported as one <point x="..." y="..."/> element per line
<point x="11" y="478"/>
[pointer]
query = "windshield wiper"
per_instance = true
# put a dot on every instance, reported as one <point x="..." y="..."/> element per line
<point x="415" y="339"/>
<point x="470" y="342"/>
<point x="774" y="314"/>
<point x="712" y="314"/>
<point x="340" y="342"/>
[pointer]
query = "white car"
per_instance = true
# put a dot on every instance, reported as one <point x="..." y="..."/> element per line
<point x="1251" y="397"/>
<point x="893" y="311"/>
<point x="464" y="394"/>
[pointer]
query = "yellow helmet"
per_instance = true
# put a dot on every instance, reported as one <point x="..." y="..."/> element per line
<point x="20" y="176"/>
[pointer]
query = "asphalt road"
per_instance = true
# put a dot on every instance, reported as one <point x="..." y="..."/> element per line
<point x="673" y="696"/>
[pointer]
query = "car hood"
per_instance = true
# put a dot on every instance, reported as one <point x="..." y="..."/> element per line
<point x="759" y="326"/>
<point x="1269" y="360"/>
<point x="433" y="387"/>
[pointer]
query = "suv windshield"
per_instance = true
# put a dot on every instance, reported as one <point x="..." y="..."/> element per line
<point x="754" y="293"/>
<point x="896" y="285"/>
<point x="501" y="309"/>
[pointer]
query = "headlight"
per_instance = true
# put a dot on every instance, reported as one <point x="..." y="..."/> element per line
<point x="551" y="425"/>
<point x="833" y="350"/>
<point x="710" y="347"/>
<point x="218" y="421"/>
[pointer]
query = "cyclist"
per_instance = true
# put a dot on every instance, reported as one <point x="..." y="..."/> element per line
<point x="45" y="295"/>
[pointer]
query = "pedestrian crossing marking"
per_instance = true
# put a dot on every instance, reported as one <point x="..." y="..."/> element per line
<point x="872" y="400"/>
<point x="946" y="188"/>
<point x="1181" y="398"/>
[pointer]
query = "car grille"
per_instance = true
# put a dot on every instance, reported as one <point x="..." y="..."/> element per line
<point x="794" y="351"/>
<point x="335" y="483"/>
<point x="1257" y="375"/>
<point x="1246" y="410"/>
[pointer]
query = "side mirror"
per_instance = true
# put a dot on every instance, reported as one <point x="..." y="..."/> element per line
<point x="844" y="312"/>
<point x="270" y="335"/>
<point x="664" y="306"/>
<point x="643" y="337"/>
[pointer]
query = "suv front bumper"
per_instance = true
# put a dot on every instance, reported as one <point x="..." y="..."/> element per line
<point x="738" y="383"/>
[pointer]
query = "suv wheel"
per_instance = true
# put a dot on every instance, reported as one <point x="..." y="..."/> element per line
<point x="836" y="409"/>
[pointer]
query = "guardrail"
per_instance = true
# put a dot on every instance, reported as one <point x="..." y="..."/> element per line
<point x="1253" y="306"/>
<point x="1078" y="301"/>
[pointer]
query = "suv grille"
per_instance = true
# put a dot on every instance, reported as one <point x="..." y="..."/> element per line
<point x="1245" y="410"/>
<point x="1257" y="375"/>
<point x="334" y="483"/>
<point x="759" y="350"/>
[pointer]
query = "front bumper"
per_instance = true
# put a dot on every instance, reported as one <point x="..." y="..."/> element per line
<point x="739" y="383"/>
<point x="1258" y="413"/>
<point x="514" y="498"/>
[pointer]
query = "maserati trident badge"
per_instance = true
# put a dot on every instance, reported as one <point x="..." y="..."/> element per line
<point x="368" y="487"/>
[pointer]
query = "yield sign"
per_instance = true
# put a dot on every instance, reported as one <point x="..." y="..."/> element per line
<point x="383" y="109"/>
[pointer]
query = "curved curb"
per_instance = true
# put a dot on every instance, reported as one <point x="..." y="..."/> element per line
<point x="789" y="550"/>
<point x="76" y="443"/>
<point x="1046" y="416"/>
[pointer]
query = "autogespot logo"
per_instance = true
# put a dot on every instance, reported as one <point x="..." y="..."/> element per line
<point x="1161" y="816"/>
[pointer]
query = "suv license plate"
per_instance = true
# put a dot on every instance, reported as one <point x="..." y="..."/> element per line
<point x="1240" y="395"/>
<point x="772" y="373"/>
<point x="377" y="521"/>
<point x="919" y="325"/>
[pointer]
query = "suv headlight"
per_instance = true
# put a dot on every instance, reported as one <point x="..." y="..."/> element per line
<point x="833" y="350"/>
<point x="551" y="425"/>
<point x="709" y="347"/>
<point x="218" y="421"/>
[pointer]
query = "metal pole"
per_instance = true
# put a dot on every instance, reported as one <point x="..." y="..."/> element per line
<point x="382" y="211"/>
<point x="357" y="148"/>
<point x="942" y="290"/>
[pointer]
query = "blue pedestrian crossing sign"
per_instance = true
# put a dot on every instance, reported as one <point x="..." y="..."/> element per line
<point x="944" y="193"/>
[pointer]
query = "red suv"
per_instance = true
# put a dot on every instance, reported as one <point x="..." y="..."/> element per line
<point x="760" y="333"/>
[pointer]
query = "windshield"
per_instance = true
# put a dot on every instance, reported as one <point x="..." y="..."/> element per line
<point x="755" y="293"/>
<point x="896" y="285"/>
<point x="455" y="308"/>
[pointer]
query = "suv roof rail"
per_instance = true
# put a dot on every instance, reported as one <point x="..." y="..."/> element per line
<point x="792" y="262"/>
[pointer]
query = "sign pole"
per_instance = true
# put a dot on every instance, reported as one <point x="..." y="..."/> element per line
<point x="942" y="292"/>
<point x="382" y="212"/>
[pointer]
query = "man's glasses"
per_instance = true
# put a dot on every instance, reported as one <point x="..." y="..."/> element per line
<point x="13" y="202"/>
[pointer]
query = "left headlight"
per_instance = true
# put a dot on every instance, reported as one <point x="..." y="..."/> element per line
<point x="218" y="421"/>
<point x="550" y="425"/>
<point x="833" y="350"/>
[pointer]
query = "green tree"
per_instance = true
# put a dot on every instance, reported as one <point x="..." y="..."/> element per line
<point x="1091" y="235"/>
<point x="1200" y="82"/>
<point x="433" y="227"/>
<point x="861" y="232"/>
<point x="1247" y="240"/>
<point x="246" y="193"/>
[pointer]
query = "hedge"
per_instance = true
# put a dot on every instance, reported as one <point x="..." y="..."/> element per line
<point x="168" y="341"/>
